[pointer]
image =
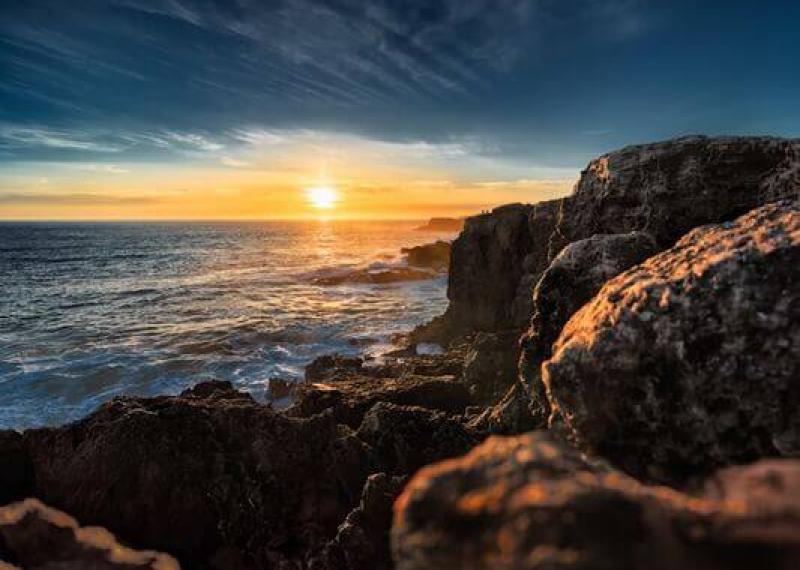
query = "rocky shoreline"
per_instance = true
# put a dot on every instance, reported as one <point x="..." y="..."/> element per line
<point x="620" y="389"/>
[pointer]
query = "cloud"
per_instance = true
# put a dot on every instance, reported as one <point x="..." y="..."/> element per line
<point x="234" y="162"/>
<point x="77" y="198"/>
<point x="108" y="168"/>
<point x="18" y="137"/>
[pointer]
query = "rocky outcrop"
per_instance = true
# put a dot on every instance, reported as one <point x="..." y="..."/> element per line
<point x="405" y="438"/>
<point x="348" y="399"/>
<point x="490" y="365"/>
<point x="665" y="189"/>
<point x="494" y="264"/>
<point x="572" y="279"/>
<point x="211" y="477"/>
<point x="529" y="502"/>
<point x="690" y="360"/>
<point x="442" y="225"/>
<point x="361" y="542"/>
<point x="434" y="255"/>
<point x="33" y="535"/>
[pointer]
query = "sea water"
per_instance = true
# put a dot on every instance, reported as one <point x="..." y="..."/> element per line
<point x="89" y="311"/>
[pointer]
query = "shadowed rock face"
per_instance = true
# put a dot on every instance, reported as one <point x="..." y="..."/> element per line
<point x="211" y="477"/>
<point x="690" y="360"/>
<point x="434" y="255"/>
<point x="665" y="189"/>
<point x="16" y="471"/>
<point x="528" y="502"/>
<point x="33" y="535"/>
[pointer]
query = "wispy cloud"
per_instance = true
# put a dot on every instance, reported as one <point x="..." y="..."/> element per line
<point x="16" y="137"/>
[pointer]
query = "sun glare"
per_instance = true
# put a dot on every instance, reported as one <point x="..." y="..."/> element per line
<point x="322" y="197"/>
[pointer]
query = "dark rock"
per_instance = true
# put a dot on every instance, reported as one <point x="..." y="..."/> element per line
<point x="362" y="541"/>
<point x="667" y="188"/>
<point x="377" y="276"/>
<point x="280" y="391"/>
<point x="514" y="413"/>
<point x="215" y="390"/>
<point x="664" y="188"/>
<point x="16" y="470"/>
<point x="443" y="225"/>
<point x="529" y="502"/>
<point x="331" y="366"/>
<point x="219" y="482"/>
<point x="489" y="260"/>
<point x="690" y="360"/>
<point x="349" y="399"/>
<point x="406" y="438"/>
<point x="33" y="535"/>
<point x="572" y="279"/>
<point x="434" y="256"/>
<point x="490" y="366"/>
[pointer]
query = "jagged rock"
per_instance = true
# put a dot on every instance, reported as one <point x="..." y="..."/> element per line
<point x="489" y="259"/>
<point x="667" y="188"/>
<point x="529" y="502"/>
<point x="406" y="438"/>
<point x="362" y="541"/>
<point x="490" y="366"/>
<point x="219" y="480"/>
<point x="16" y="470"/>
<point x="331" y="366"/>
<point x="572" y="279"/>
<point x="350" y="398"/>
<point x="434" y="255"/>
<point x="514" y="413"/>
<point x="33" y="535"/>
<point x="690" y="360"/>
<point x="664" y="188"/>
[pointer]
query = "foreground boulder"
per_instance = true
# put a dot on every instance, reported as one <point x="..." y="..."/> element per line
<point x="529" y="502"/>
<point x="33" y="535"/>
<point x="211" y="477"/>
<point x="690" y="360"/>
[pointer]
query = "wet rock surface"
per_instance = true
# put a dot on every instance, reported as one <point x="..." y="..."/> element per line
<point x="690" y="360"/>
<point x="33" y="535"/>
<point x="435" y="256"/>
<point x="530" y="502"/>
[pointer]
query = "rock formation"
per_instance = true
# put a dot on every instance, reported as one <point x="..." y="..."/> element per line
<point x="694" y="354"/>
<point x="434" y="255"/>
<point x="33" y="535"/>
<point x="530" y="503"/>
<point x="664" y="188"/>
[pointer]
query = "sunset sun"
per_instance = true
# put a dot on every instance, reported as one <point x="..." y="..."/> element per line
<point x="322" y="197"/>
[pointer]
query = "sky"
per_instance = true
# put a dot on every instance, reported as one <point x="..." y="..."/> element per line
<point x="279" y="109"/>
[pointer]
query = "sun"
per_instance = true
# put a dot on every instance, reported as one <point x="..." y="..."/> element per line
<point x="322" y="197"/>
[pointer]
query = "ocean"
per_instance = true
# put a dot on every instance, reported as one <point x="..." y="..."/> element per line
<point x="89" y="311"/>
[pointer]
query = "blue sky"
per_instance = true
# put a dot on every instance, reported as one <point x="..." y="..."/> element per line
<point x="472" y="91"/>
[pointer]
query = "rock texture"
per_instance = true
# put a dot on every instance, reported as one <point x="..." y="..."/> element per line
<point x="434" y="255"/>
<point x="35" y="536"/>
<point x="664" y="188"/>
<point x="211" y="476"/>
<point x="530" y="503"/>
<point x="348" y="399"/>
<point x="690" y="360"/>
